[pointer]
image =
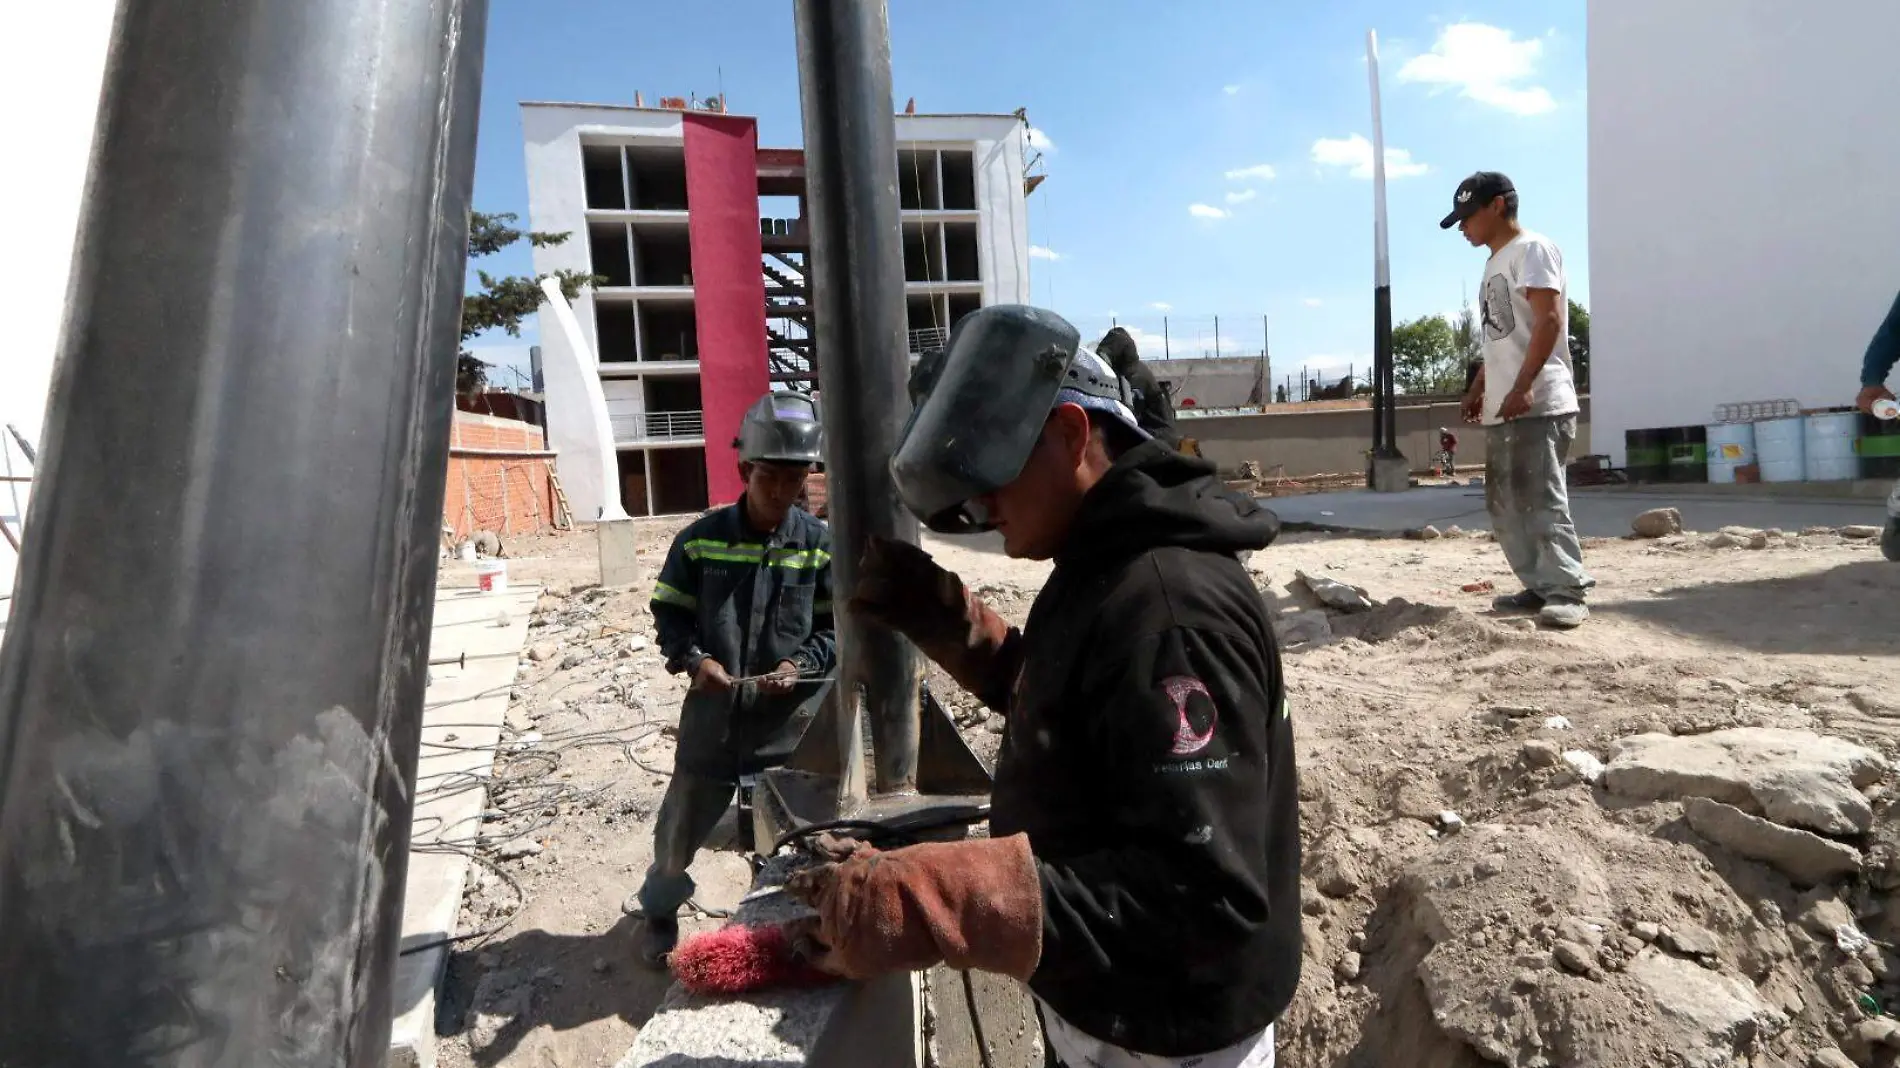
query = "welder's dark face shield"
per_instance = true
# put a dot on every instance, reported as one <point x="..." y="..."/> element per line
<point x="975" y="425"/>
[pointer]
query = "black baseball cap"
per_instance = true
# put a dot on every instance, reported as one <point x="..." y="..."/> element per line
<point x="1474" y="193"/>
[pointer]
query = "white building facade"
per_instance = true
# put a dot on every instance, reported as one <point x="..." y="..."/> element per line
<point x="1744" y="162"/>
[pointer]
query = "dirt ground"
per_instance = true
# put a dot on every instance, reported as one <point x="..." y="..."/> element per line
<point x="1474" y="893"/>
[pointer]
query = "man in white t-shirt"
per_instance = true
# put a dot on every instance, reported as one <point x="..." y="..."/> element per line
<point x="1526" y="397"/>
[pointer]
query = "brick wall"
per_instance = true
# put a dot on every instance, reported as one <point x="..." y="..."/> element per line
<point x="508" y="495"/>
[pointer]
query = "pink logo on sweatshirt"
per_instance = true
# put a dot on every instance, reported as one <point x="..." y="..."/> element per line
<point x="1197" y="718"/>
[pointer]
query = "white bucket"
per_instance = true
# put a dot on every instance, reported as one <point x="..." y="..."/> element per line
<point x="1731" y="445"/>
<point x="492" y="576"/>
<point x="1830" y="444"/>
<point x="1780" y="446"/>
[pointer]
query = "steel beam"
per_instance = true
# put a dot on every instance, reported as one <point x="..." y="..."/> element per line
<point x="856" y="274"/>
<point x="211" y="685"/>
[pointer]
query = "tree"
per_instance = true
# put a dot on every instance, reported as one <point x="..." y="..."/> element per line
<point x="1580" y="345"/>
<point x="1468" y="335"/>
<point x="503" y="302"/>
<point x="1426" y="357"/>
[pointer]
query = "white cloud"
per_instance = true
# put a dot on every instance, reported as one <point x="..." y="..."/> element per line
<point x="1486" y="64"/>
<point x="1312" y="302"/>
<point x="1038" y="252"/>
<point x="1162" y="306"/>
<point x="1040" y="141"/>
<point x="1230" y="90"/>
<point x="1262" y="171"/>
<point x="1206" y="211"/>
<point x="1355" y="152"/>
<point x="1241" y="197"/>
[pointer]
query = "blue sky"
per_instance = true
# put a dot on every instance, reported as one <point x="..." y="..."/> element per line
<point x="1205" y="156"/>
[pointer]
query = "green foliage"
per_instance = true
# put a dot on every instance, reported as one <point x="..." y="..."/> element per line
<point x="1580" y="344"/>
<point x="504" y="301"/>
<point x="1426" y="357"/>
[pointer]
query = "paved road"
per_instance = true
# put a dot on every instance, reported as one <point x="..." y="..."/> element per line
<point x="1597" y="514"/>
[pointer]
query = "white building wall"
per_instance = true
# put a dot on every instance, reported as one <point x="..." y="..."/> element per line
<point x="1744" y="159"/>
<point x="54" y="68"/>
<point x="552" y="135"/>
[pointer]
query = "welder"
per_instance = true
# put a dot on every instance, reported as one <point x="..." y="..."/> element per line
<point x="1154" y="413"/>
<point x="1142" y="869"/>
<point x="745" y="594"/>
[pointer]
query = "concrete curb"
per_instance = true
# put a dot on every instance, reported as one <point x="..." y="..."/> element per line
<point x="463" y="707"/>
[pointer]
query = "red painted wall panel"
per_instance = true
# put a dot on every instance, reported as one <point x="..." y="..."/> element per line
<point x="722" y="193"/>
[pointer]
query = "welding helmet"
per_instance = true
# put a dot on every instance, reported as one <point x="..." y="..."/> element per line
<point x="781" y="428"/>
<point x="980" y="407"/>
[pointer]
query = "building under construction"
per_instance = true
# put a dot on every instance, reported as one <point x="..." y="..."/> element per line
<point x="699" y="239"/>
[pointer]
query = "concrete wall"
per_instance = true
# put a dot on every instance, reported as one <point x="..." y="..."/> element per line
<point x="1214" y="382"/>
<point x="507" y="496"/>
<point x="722" y="190"/>
<point x="1744" y="235"/>
<point x="1332" y="440"/>
<point x="1002" y="231"/>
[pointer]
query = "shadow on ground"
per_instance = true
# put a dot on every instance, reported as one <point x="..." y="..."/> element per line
<point x="1853" y="609"/>
<point x="560" y="981"/>
<point x="497" y="993"/>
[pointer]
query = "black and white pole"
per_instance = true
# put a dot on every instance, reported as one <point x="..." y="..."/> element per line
<point x="1388" y="469"/>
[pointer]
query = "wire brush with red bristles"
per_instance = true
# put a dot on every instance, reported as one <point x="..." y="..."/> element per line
<point x="737" y="959"/>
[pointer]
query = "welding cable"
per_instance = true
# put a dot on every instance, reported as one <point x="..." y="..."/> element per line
<point x="509" y="779"/>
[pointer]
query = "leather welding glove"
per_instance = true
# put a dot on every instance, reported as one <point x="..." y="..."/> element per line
<point x="975" y="903"/>
<point x="900" y="586"/>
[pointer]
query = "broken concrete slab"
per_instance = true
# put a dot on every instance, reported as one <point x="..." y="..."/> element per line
<point x="1804" y="857"/>
<point x="1796" y="778"/>
<point x="1716" y="1015"/>
<point x="462" y="715"/>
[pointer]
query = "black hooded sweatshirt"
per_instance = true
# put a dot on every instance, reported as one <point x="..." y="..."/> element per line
<point x="1149" y="757"/>
<point x="1152" y="408"/>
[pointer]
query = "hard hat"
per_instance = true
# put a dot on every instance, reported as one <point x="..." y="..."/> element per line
<point x="781" y="428"/>
<point x="981" y="406"/>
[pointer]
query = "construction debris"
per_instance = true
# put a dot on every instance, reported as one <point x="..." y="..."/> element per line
<point x="1618" y="919"/>
<point x="1657" y="523"/>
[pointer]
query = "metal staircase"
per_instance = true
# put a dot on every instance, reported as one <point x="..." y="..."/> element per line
<point x="788" y="321"/>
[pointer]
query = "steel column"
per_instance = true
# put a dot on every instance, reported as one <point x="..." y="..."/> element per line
<point x="211" y="685"/>
<point x="856" y="272"/>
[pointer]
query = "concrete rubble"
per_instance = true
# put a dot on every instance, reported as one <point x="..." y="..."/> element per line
<point x="1803" y="856"/>
<point x="1793" y="777"/>
<point x="1657" y="522"/>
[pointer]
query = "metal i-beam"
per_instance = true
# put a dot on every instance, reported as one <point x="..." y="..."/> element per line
<point x="856" y="274"/>
<point x="211" y="685"/>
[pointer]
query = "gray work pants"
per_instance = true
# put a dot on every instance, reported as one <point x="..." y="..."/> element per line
<point x="688" y="813"/>
<point x="1530" y="507"/>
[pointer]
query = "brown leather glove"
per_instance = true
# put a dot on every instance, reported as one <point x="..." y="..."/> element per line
<point x="900" y="586"/>
<point x="976" y="903"/>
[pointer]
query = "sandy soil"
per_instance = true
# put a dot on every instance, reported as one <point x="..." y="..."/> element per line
<point x="1537" y="929"/>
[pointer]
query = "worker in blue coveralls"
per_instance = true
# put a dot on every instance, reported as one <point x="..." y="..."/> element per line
<point x="1882" y="353"/>
<point x="743" y="608"/>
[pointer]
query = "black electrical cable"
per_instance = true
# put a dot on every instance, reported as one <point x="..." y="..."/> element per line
<point x="524" y="773"/>
<point x="872" y="828"/>
<point x="901" y="838"/>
